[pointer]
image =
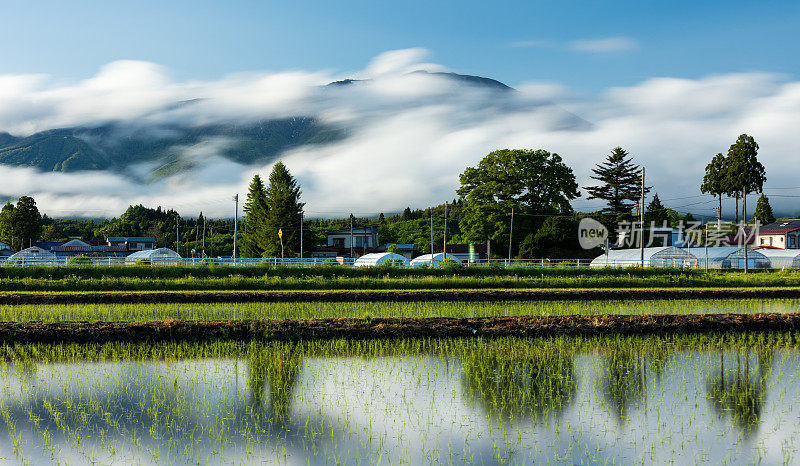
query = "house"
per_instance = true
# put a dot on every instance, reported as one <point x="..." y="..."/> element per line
<point x="5" y="250"/>
<point x="364" y="240"/>
<point x="783" y="234"/>
<point x="132" y="243"/>
<point x="76" y="247"/>
<point x="480" y="252"/>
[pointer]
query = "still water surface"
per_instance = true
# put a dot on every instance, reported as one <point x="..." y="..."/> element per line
<point x="605" y="406"/>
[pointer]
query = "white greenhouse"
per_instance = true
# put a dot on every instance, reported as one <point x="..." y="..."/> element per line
<point x="433" y="260"/>
<point x="626" y="257"/>
<point x="730" y="257"/>
<point x="782" y="258"/>
<point x="32" y="255"/>
<point x="160" y="256"/>
<point x="380" y="258"/>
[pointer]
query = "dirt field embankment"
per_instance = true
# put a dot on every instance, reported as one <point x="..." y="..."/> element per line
<point x="394" y="328"/>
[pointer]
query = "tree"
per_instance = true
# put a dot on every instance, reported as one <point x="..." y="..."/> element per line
<point x="284" y="212"/>
<point x="714" y="181"/>
<point x="534" y="183"/>
<point x="406" y="215"/>
<point x="620" y="184"/>
<point x="255" y="211"/>
<point x="556" y="238"/>
<point x="745" y="174"/>
<point x="763" y="213"/>
<point x="656" y="212"/>
<point x="52" y="233"/>
<point x="26" y="221"/>
<point x="6" y="223"/>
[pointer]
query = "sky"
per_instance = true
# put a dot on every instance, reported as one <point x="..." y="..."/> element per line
<point x="672" y="83"/>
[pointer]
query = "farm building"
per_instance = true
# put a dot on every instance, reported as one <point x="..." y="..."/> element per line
<point x="432" y="260"/>
<point x="380" y="258"/>
<point x="730" y="257"/>
<point x="160" y="256"/>
<point x="782" y="258"/>
<point x="783" y="234"/>
<point x="34" y="254"/>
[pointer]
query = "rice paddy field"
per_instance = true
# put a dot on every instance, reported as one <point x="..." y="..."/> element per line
<point x="326" y="310"/>
<point x="717" y="399"/>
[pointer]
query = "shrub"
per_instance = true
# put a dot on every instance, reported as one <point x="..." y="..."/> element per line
<point x="79" y="260"/>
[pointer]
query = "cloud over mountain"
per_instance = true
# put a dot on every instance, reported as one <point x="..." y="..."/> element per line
<point x="405" y="136"/>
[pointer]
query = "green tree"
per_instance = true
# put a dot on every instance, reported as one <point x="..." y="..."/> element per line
<point x="534" y="183"/>
<point x="714" y="181"/>
<point x="52" y="233"/>
<point x="6" y="223"/>
<point x="656" y="212"/>
<point x="27" y="221"/>
<point x="620" y="184"/>
<point x="556" y="238"/>
<point x="763" y="213"/>
<point x="256" y="211"/>
<point x="284" y="211"/>
<point x="745" y="173"/>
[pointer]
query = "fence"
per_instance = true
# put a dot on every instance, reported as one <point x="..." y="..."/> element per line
<point x="270" y="261"/>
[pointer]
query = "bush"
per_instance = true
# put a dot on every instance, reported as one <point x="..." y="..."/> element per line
<point x="143" y="262"/>
<point x="79" y="260"/>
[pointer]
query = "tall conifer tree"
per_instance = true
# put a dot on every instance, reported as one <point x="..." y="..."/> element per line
<point x="284" y="213"/>
<point x="620" y="184"/>
<point x="255" y="211"/>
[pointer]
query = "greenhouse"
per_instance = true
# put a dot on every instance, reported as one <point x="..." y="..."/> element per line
<point x="673" y="257"/>
<point x="433" y="260"/>
<point x="730" y="257"/>
<point x="782" y="258"/>
<point x="627" y="257"/>
<point x="161" y="256"/>
<point x="380" y="258"/>
<point x="33" y="254"/>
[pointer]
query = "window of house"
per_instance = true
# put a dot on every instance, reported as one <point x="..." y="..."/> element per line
<point x="338" y="242"/>
<point x="359" y="241"/>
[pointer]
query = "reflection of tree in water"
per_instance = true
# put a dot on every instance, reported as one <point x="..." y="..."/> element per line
<point x="738" y="390"/>
<point x="279" y="369"/>
<point x="625" y="382"/>
<point x="535" y="384"/>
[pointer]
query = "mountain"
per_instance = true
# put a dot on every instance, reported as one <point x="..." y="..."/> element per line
<point x="166" y="149"/>
<point x="116" y="146"/>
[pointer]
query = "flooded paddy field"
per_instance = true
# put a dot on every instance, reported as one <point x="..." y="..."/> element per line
<point x="622" y="400"/>
<point x="420" y="309"/>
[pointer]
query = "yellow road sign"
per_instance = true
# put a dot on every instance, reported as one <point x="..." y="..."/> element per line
<point x="280" y="233"/>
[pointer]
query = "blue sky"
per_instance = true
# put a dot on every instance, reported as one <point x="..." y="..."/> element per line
<point x="514" y="41"/>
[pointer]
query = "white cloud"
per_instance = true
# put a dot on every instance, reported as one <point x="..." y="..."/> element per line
<point x="409" y="135"/>
<point x="604" y="45"/>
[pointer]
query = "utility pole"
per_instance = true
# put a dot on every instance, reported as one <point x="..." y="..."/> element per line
<point x="177" y="234"/>
<point x="351" y="236"/>
<point x="244" y="227"/>
<point x="706" y="243"/>
<point x="301" y="238"/>
<point x="211" y="249"/>
<point x="744" y="226"/>
<point x="431" y="236"/>
<point x="196" y="231"/>
<point x="511" y="234"/>
<point x="204" y="237"/>
<point x="641" y="225"/>
<point x="235" y="225"/>
<point x="444" y="241"/>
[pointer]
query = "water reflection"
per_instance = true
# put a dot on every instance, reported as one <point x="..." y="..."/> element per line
<point x="537" y="384"/>
<point x="477" y="404"/>
<point x="738" y="392"/>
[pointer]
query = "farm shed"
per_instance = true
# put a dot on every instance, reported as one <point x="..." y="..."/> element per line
<point x="782" y="258"/>
<point x="380" y="258"/>
<point x="626" y="257"/>
<point x="730" y="257"/>
<point x="160" y="256"/>
<point x="432" y="260"/>
<point x="34" y="254"/>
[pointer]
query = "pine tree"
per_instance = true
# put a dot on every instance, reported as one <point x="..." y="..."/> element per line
<point x="620" y="184"/>
<point x="284" y="211"/>
<point x="745" y="174"/>
<point x="763" y="213"/>
<point x="656" y="212"/>
<point x="26" y="221"/>
<point x="7" y="223"/>
<point x="255" y="211"/>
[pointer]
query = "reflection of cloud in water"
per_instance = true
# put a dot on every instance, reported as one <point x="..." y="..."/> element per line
<point x="413" y="408"/>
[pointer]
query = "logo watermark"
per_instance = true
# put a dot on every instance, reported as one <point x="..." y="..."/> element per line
<point x="591" y="233"/>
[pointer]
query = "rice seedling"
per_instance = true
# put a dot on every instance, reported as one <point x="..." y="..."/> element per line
<point x="685" y="399"/>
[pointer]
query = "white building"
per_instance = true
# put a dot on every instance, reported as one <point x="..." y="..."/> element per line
<point x="381" y="258"/>
<point x="432" y="260"/>
<point x="34" y="254"/>
<point x="160" y="256"/>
